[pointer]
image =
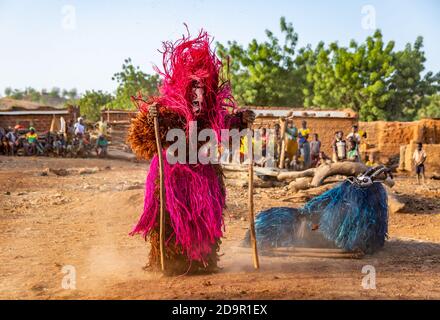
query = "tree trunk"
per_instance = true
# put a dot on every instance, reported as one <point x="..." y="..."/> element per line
<point x="338" y="168"/>
<point x="292" y="175"/>
<point x="300" y="184"/>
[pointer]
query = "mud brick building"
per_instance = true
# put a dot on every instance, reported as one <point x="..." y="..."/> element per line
<point x="118" y="121"/>
<point x="399" y="140"/>
<point x="26" y="113"/>
<point x="323" y="122"/>
<point x="117" y="115"/>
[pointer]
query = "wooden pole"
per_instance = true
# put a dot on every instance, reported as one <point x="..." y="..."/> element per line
<point x="283" y="143"/>
<point x="318" y="253"/>
<point x="251" y="203"/>
<point x="162" y="196"/>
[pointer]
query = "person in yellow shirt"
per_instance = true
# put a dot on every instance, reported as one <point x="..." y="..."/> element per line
<point x="244" y="156"/>
<point x="369" y="161"/>
<point x="303" y="143"/>
<point x="303" y="133"/>
<point x="31" y="138"/>
<point x="363" y="146"/>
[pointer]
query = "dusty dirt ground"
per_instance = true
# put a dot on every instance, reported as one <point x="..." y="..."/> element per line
<point x="83" y="220"/>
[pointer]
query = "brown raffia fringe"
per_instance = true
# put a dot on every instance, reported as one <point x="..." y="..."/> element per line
<point x="141" y="132"/>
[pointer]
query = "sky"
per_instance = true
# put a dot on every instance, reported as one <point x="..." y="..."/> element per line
<point x="81" y="44"/>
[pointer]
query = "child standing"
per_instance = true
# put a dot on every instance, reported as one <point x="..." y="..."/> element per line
<point x="419" y="158"/>
<point x="315" y="149"/>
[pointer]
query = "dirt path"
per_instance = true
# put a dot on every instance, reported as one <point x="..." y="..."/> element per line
<point x="48" y="222"/>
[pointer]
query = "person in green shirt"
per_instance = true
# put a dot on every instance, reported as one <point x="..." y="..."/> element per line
<point x="352" y="153"/>
<point x="101" y="146"/>
<point x="291" y="143"/>
<point x="31" y="138"/>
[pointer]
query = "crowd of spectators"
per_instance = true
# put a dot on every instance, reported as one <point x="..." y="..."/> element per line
<point x="74" y="142"/>
<point x="303" y="149"/>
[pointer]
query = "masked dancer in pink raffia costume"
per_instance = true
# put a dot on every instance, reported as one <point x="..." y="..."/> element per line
<point x="191" y="90"/>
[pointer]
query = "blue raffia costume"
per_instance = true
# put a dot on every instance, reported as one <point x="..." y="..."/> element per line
<point x="352" y="216"/>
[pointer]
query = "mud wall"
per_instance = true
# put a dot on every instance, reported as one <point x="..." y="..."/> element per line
<point x="41" y="122"/>
<point x="432" y="163"/>
<point x="324" y="127"/>
<point x="115" y="116"/>
<point x="386" y="138"/>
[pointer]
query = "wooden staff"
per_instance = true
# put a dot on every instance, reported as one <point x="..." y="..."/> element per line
<point x="251" y="204"/>
<point x="318" y="253"/>
<point x="283" y="143"/>
<point x="162" y="196"/>
<point x="284" y="121"/>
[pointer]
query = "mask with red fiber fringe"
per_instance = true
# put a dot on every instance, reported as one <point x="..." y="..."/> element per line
<point x="191" y="83"/>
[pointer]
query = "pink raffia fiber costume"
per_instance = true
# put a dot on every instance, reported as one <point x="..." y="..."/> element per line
<point x="191" y="90"/>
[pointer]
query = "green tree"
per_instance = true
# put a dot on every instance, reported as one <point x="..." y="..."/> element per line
<point x="410" y="89"/>
<point x="370" y="78"/>
<point x="91" y="103"/>
<point x="72" y="94"/>
<point x="131" y="81"/>
<point x="54" y="92"/>
<point x="431" y="109"/>
<point x="264" y="73"/>
<point x="17" y="94"/>
<point x="357" y="77"/>
<point x="305" y="61"/>
<point x="32" y="94"/>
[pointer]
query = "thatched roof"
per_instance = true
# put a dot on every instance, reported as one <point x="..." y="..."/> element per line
<point x="8" y="104"/>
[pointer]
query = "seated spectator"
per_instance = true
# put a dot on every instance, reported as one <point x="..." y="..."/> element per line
<point x="87" y="145"/>
<point x="32" y="139"/>
<point x="22" y="145"/>
<point x="12" y="136"/>
<point x="369" y="160"/>
<point x="322" y="159"/>
<point x="2" y="133"/>
<point x="294" y="164"/>
<point x="74" y="147"/>
<point x="4" y="145"/>
<point x="363" y="147"/>
<point x="352" y="153"/>
<point x="101" y="146"/>
<point x="79" y="128"/>
<point x="59" y="145"/>
<point x="300" y="163"/>
<point x="48" y="144"/>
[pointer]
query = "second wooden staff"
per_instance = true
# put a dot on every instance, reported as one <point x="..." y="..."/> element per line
<point x="251" y="201"/>
<point x="162" y="196"/>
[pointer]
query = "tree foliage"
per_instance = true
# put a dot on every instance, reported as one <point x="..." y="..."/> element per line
<point x="432" y="109"/>
<point x="92" y="102"/>
<point x="264" y="73"/>
<point x="411" y="89"/>
<point x="371" y="77"/>
<point x="357" y="77"/>
<point x="55" y="96"/>
<point x="131" y="81"/>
